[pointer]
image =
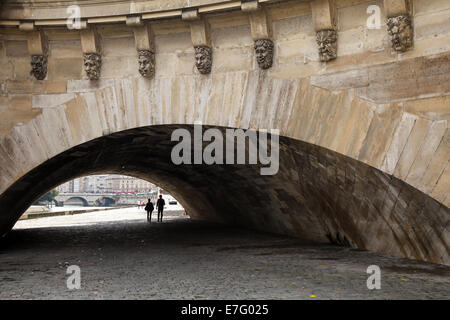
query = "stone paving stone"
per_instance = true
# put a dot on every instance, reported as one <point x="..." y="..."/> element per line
<point x="121" y="256"/>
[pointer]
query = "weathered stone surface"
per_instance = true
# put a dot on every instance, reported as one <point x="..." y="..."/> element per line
<point x="437" y="164"/>
<point x="39" y="66"/>
<point x="51" y="100"/>
<point x="203" y="59"/>
<point x="441" y="189"/>
<point x="92" y="65"/>
<point x="398" y="142"/>
<point x="401" y="31"/>
<point x="412" y="147"/>
<point x="146" y="60"/>
<point x="65" y="68"/>
<point x="430" y="144"/>
<point x="264" y="53"/>
<point x="16" y="48"/>
<point x="327" y="43"/>
<point x="342" y="80"/>
<point x="6" y="70"/>
<point x="368" y="109"/>
<point x="315" y="204"/>
<point x="390" y="82"/>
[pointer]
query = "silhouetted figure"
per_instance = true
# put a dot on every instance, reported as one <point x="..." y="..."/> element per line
<point x="160" y="206"/>
<point x="149" y="208"/>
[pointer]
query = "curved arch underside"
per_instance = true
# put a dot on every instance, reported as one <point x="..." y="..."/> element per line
<point x="318" y="194"/>
<point x="80" y="199"/>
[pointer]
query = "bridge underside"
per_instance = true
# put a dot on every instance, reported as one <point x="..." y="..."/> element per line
<point x="317" y="194"/>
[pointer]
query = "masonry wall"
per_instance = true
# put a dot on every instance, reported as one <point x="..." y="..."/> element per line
<point x="384" y="109"/>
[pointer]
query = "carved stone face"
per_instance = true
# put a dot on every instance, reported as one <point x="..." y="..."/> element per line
<point x="39" y="66"/>
<point x="203" y="59"/>
<point x="146" y="60"/>
<point x="264" y="53"/>
<point x="92" y="65"/>
<point x="327" y="42"/>
<point x="401" y="32"/>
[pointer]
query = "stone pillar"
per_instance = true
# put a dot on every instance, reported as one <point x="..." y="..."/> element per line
<point x="143" y="37"/>
<point x="201" y="40"/>
<point x="261" y="31"/>
<point x="325" y="25"/>
<point x="399" y="24"/>
<point x="92" y="57"/>
<point x="38" y="49"/>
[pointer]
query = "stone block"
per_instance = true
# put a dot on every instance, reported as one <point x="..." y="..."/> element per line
<point x="51" y="100"/>
<point x="412" y="147"/>
<point x="427" y="152"/>
<point x="119" y="47"/>
<point x="16" y="48"/>
<point x="232" y="59"/>
<point x="394" y="8"/>
<point x="324" y="14"/>
<point x="22" y="68"/>
<point x="437" y="165"/>
<point x="6" y="69"/>
<point x="118" y="67"/>
<point x="65" y="49"/>
<point x="65" y="69"/>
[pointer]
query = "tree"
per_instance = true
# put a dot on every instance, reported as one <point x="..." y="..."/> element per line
<point x="49" y="196"/>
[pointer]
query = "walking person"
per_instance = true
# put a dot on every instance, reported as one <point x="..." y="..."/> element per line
<point x="149" y="208"/>
<point x="160" y="206"/>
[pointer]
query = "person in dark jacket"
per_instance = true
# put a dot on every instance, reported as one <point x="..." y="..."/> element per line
<point x="149" y="208"/>
<point x="160" y="206"/>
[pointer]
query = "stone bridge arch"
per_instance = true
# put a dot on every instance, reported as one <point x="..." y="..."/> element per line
<point x="318" y="194"/>
<point x="364" y="138"/>
<point x="81" y="199"/>
<point x="105" y="201"/>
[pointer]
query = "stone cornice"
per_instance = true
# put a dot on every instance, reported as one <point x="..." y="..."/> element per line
<point x="49" y="13"/>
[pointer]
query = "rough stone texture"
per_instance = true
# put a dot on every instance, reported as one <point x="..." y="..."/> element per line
<point x="203" y="59"/>
<point x="401" y="31"/>
<point x="146" y="60"/>
<point x="185" y="259"/>
<point x="327" y="43"/>
<point x="92" y="65"/>
<point x="51" y="9"/>
<point x="377" y="108"/>
<point x="264" y="53"/>
<point x="39" y="66"/>
<point x="317" y="194"/>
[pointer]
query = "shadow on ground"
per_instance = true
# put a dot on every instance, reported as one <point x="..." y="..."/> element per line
<point x="185" y="259"/>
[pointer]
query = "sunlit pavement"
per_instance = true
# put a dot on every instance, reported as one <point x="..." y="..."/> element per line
<point x="95" y="217"/>
<point x="121" y="256"/>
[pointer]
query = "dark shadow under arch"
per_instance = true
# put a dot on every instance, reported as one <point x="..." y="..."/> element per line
<point x="317" y="194"/>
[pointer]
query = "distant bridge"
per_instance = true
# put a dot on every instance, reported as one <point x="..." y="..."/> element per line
<point x="100" y="199"/>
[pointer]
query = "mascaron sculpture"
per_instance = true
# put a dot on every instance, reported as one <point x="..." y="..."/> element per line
<point x="264" y="53"/>
<point x="146" y="60"/>
<point x="203" y="59"/>
<point x="92" y="65"/>
<point x="327" y="42"/>
<point x="39" y="66"/>
<point x="401" y="32"/>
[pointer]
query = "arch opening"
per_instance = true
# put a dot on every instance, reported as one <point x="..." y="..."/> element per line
<point x="317" y="194"/>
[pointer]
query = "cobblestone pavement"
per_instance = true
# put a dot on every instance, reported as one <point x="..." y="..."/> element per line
<point x="121" y="256"/>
